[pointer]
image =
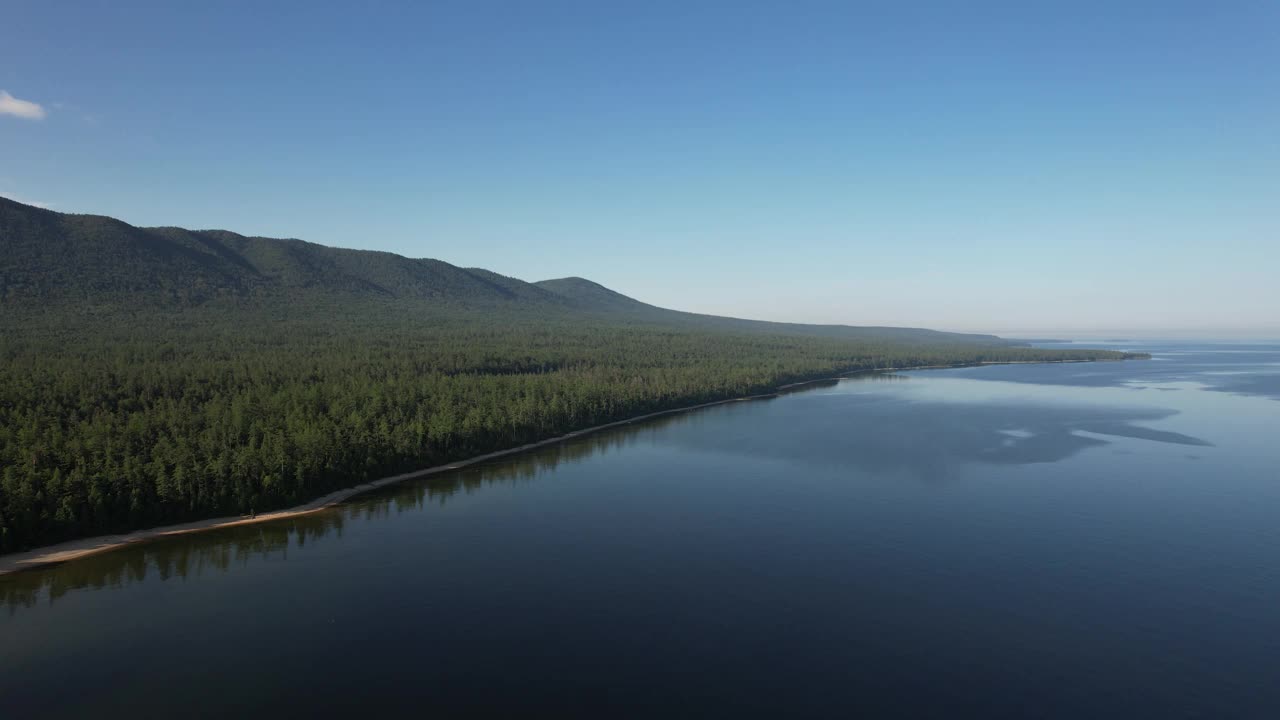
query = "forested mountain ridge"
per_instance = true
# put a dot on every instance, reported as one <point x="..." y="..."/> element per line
<point x="50" y="258"/>
<point x="152" y="376"/>
<point x="587" y="294"/>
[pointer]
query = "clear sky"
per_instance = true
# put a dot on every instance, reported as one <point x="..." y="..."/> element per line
<point x="963" y="165"/>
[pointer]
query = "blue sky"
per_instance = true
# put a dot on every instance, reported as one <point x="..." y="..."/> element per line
<point x="989" y="166"/>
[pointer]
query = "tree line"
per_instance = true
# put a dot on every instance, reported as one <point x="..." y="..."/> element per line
<point x="161" y="418"/>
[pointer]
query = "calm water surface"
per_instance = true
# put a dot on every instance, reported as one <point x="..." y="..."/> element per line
<point x="1087" y="540"/>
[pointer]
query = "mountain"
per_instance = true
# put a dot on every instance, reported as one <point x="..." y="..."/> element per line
<point x="586" y="294"/>
<point x="51" y="259"/>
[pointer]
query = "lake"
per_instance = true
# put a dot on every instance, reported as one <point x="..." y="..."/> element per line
<point x="1059" y="541"/>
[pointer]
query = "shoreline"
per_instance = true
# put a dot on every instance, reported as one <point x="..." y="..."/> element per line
<point x="70" y="550"/>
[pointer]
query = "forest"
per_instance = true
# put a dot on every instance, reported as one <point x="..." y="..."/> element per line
<point x="166" y="417"/>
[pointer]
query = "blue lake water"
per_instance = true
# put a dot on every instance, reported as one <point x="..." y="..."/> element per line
<point x="1069" y="540"/>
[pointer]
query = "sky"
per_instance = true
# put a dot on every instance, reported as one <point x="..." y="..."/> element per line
<point x="992" y="166"/>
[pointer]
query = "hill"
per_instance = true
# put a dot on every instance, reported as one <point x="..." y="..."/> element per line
<point x="54" y="257"/>
<point x="50" y="259"/>
<point x="589" y="295"/>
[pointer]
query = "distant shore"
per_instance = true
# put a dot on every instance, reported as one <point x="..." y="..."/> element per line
<point x="85" y="547"/>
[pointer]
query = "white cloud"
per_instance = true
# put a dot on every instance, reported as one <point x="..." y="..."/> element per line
<point x="10" y="105"/>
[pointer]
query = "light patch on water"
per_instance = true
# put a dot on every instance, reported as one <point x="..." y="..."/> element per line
<point x="966" y="391"/>
<point x="1020" y="433"/>
<point x="1169" y="385"/>
<point x="1014" y="436"/>
<point x="1209" y="351"/>
<point x="1229" y="372"/>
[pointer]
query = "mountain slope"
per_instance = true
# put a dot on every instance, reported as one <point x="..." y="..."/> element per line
<point x="593" y="296"/>
<point x="48" y="259"/>
<point x="48" y="256"/>
<point x="589" y="295"/>
<point x="52" y="257"/>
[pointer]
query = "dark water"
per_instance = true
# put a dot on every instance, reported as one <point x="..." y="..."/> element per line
<point x="1071" y="541"/>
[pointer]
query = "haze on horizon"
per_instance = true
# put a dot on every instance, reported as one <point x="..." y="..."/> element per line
<point x="1088" y="169"/>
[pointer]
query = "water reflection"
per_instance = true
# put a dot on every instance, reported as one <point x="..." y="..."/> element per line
<point x="178" y="557"/>
<point x="877" y="432"/>
<point x="220" y="550"/>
